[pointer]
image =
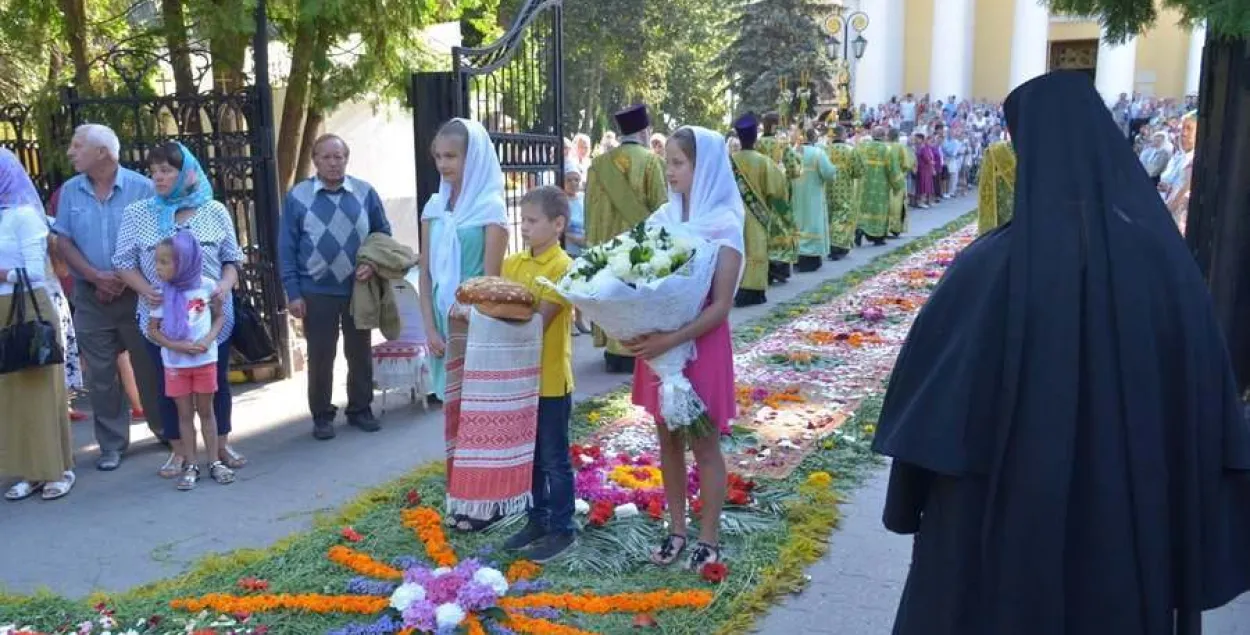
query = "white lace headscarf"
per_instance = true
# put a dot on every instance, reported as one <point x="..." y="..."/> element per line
<point x="716" y="211"/>
<point x="480" y="203"/>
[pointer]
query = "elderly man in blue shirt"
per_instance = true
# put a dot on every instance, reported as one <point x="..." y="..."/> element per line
<point x="89" y="213"/>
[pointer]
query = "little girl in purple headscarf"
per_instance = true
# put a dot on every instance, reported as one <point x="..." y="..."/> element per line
<point x="186" y="326"/>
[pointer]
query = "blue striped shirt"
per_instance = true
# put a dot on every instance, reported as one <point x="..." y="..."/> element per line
<point x="93" y="224"/>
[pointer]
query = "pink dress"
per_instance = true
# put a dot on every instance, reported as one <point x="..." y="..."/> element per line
<point x="711" y="372"/>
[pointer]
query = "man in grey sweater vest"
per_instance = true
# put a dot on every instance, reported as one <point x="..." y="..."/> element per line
<point x="325" y="220"/>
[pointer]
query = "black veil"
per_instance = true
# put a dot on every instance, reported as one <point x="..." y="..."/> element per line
<point x="1071" y="360"/>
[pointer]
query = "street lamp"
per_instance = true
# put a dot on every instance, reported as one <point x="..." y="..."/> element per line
<point x="840" y="27"/>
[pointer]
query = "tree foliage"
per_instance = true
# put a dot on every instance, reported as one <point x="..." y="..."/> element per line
<point x="775" y="39"/>
<point x="621" y="52"/>
<point x="1125" y="18"/>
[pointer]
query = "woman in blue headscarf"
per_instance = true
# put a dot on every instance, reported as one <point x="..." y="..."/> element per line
<point x="183" y="201"/>
<point x="35" y="443"/>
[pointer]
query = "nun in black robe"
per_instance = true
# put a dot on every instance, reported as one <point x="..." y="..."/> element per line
<point x="1067" y="442"/>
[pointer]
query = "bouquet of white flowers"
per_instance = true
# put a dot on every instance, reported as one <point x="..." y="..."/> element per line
<point x="651" y="278"/>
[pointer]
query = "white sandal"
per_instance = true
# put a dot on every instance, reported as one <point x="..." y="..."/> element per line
<point x="23" y="490"/>
<point x="58" y="489"/>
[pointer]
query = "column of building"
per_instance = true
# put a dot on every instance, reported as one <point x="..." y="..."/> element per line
<point x="950" y="70"/>
<point x="879" y="74"/>
<point x="1029" y="41"/>
<point x="1117" y="68"/>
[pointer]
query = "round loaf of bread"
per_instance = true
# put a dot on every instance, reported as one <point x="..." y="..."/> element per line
<point x="497" y="297"/>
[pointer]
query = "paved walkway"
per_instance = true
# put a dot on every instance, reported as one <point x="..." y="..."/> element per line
<point x="128" y="527"/>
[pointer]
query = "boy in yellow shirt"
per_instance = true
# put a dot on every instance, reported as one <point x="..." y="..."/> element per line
<point x="550" y="530"/>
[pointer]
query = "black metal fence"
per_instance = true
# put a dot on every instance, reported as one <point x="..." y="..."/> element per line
<point x="223" y="128"/>
<point x="514" y="87"/>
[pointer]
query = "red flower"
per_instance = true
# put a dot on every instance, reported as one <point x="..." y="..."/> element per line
<point x="241" y="616"/>
<point x="154" y="621"/>
<point x="251" y="583"/>
<point x="714" y="572"/>
<point x="261" y="630"/>
<point x="414" y="498"/>
<point x="738" y="497"/>
<point x="655" y="509"/>
<point x="696" y="506"/>
<point x="601" y="512"/>
<point x="351" y="535"/>
<point x="645" y="620"/>
<point x="99" y="608"/>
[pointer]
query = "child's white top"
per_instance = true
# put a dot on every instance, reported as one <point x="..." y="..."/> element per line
<point x="199" y="323"/>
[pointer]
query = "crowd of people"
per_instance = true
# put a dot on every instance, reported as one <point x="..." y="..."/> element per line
<point x="815" y="189"/>
<point x="154" y="263"/>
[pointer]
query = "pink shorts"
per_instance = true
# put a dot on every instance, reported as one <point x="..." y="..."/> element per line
<point x="181" y="382"/>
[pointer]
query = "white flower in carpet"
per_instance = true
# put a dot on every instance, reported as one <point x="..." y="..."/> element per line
<point x="448" y="616"/>
<point x="492" y="578"/>
<point x="581" y="507"/>
<point x="643" y="270"/>
<point x="406" y="594"/>
<point x="441" y="571"/>
<point x="620" y="266"/>
<point x="626" y="510"/>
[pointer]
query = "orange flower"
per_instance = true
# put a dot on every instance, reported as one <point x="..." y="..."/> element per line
<point x="428" y="526"/>
<point x="473" y="625"/>
<point x="533" y="626"/>
<point x="620" y="603"/>
<point x="363" y="564"/>
<point x="523" y="570"/>
<point x="308" y="603"/>
<point x="822" y="338"/>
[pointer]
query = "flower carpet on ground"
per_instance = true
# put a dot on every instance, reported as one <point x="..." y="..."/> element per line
<point x="811" y="374"/>
<point x="800" y="382"/>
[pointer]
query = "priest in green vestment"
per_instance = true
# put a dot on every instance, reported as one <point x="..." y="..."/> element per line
<point x="996" y="187"/>
<point x="883" y="175"/>
<point x="811" y="212"/>
<point x="898" y="198"/>
<point x="840" y="194"/>
<point x="766" y="196"/>
<point x="623" y="187"/>
<point x="783" y="253"/>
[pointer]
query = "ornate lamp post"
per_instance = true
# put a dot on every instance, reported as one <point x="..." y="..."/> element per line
<point x="840" y="26"/>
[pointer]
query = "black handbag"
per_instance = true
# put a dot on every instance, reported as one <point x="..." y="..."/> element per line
<point x="27" y="344"/>
<point x="251" y="339"/>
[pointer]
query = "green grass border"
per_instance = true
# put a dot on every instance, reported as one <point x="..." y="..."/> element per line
<point x="810" y="518"/>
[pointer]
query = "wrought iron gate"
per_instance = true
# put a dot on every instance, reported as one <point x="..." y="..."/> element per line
<point x="222" y="127"/>
<point x="514" y="87"/>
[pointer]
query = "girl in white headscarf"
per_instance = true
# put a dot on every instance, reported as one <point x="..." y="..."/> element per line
<point x="575" y="235"/>
<point x="703" y="199"/>
<point x="463" y="229"/>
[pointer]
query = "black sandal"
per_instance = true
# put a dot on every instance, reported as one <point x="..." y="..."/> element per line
<point x="475" y="525"/>
<point x="669" y="551"/>
<point x="703" y="554"/>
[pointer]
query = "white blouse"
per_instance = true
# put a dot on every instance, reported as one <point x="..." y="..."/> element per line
<point x="23" y="244"/>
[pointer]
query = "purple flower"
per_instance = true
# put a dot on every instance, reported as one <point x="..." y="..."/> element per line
<point x="468" y="567"/>
<point x="420" y="575"/>
<point x="872" y="314"/>
<point x="521" y="587"/>
<point x="444" y="588"/>
<point x="366" y="586"/>
<point x="420" y="615"/>
<point x="476" y="597"/>
<point x="406" y="562"/>
<point x="495" y="628"/>
<point x="385" y="625"/>
<point x="542" y="613"/>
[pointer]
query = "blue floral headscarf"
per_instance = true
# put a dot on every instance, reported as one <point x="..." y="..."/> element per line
<point x="191" y="190"/>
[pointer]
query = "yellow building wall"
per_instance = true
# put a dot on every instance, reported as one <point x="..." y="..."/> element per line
<point x="1063" y="31"/>
<point x="918" y="45"/>
<point x="991" y="66"/>
<point x="1162" y="57"/>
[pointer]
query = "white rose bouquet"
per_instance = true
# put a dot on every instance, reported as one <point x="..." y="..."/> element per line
<point x="651" y="278"/>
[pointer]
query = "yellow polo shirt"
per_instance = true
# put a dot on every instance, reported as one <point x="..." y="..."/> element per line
<point x="557" y="360"/>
